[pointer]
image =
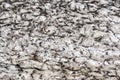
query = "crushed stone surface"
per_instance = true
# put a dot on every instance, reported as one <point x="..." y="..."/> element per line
<point x="59" y="39"/>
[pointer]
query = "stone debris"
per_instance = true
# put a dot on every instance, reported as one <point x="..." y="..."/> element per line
<point x="59" y="39"/>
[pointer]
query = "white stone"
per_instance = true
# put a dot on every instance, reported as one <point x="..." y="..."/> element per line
<point x="81" y="59"/>
<point x="117" y="35"/>
<point x="47" y="6"/>
<point x="36" y="76"/>
<point x="7" y="5"/>
<point x="117" y="62"/>
<point x="50" y="30"/>
<point x="4" y="15"/>
<point x="104" y="11"/>
<point x="5" y="31"/>
<point x="42" y="18"/>
<point x="96" y="74"/>
<point x="103" y="1"/>
<point x="26" y="23"/>
<point x="31" y="49"/>
<point x="113" y="38"/>
<point x="73" y="5"/>
<point x="93" y="63"/>
<point x="23" y="11"/>
<point x="12" y="68"/>
<point x="18" y="47"/>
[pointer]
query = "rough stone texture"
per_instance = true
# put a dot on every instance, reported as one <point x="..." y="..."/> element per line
<point x="59" y="40"/>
